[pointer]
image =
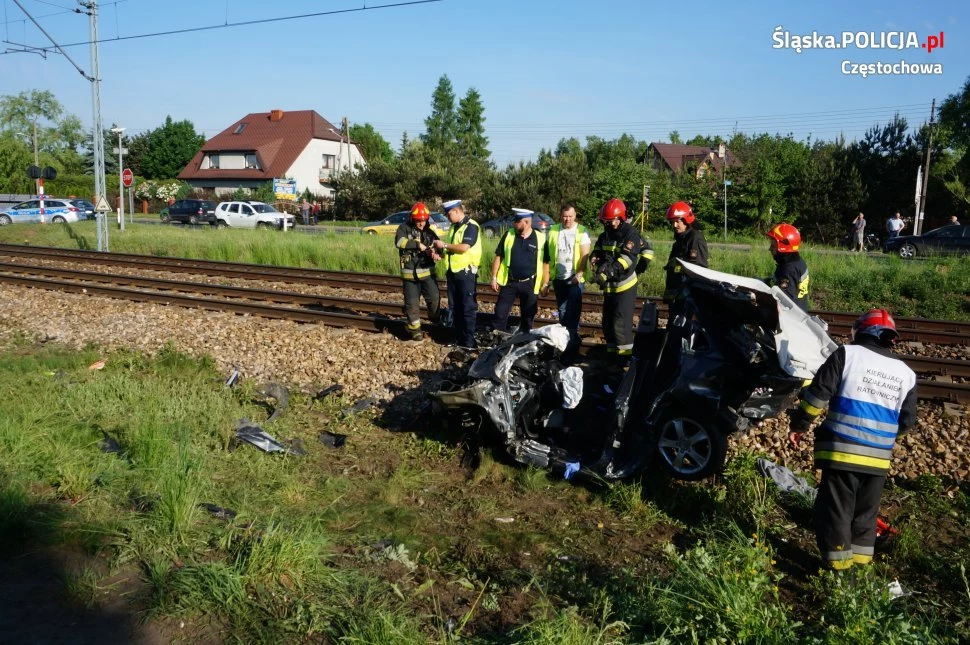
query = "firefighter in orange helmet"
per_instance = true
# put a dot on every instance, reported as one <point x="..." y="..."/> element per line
<point x="617" y="257"/>
<point x="791" y="272"/>
<point x="689" y="246"/>
<point x="871" y="399"/>
<point x="414" y="240"/>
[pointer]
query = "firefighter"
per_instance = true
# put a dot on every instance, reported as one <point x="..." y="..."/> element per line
<point x="689" y="246"/>
<point x="871" y="398"/>
<point x="463" y="253"/>
<point x="415" y="240"/>
<point x="520" y="269"/>
<point x="618" y="256"/>
<point x="791" y="272"/>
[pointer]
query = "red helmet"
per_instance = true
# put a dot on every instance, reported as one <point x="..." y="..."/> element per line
<point x="420" y="212"/>
<point x="878" y="323"/>
<point x="681" y="210"/>
<point x="787" y="237"/>
<point x="613" y="209"/>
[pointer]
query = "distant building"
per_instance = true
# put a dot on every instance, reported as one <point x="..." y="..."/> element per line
<point x="697" y="160"/>
<point x="261" y="146"/>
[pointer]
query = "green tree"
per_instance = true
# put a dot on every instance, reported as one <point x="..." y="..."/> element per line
<point x="170" y="148"/>
<point x="442" y="124"/>
<point x="954" y="133"/>
<point x="472" y="141"/>
<point x="370" y="142"/>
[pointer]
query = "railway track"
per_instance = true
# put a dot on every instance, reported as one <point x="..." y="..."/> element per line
<point x="911" y="329"/>
<point x="366" y="315"/>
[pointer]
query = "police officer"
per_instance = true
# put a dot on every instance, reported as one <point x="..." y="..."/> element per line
<point x="791" y="272"/>
<point x="618" y="256"/>
<point x="569" y="245"/>
<point x="415" y="240"/>
<point x="689" y="246"/>
<point x="871" y="398"/>
<point x="463" y="253"/>
<point x="520" y="269"/>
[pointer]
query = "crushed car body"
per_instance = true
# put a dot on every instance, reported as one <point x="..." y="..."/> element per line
<point x="739" y="353"/>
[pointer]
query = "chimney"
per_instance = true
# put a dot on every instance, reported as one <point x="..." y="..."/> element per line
<point x="276" y="115"/>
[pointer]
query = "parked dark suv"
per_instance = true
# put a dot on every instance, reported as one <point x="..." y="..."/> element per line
<point x="192" y="211"/>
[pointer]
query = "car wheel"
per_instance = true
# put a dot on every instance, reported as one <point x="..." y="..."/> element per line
<point x="372" y="232"/>
<point x="58" y="220"/>
<point x="262" y="224"/>
<point x="193" y="219"/>
<point x="688" y="449"/>
<point x="489" y="232"/>
<point x="222" y="224"/>
<point x="5" y="220"/>
<point x="907" y="251"/>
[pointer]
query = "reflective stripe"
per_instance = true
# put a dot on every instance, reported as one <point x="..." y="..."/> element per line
<point x="624" y="262"/>
<point x="415" y="274"/>
<point x="844" y="458"/>
<point x="627" y="283"/>
<point x="809" y="408"/>
<point x="473" y="256"/>
<point x="852" y="449"/>
<point x="401" y="242"/>
<point x="412" y="326"/>
<point x="877" y="413"/>
<point x="647" y="254"/>
<point x="863" y="423"/>
<point x="840" y="565"/>
<point x="861" y="559"/>
<point x="814" y="401"/>
<point x="863" y="551"/>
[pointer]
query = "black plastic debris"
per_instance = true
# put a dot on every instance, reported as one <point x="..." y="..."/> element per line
<point x="110" y="445"/>
<point x="218" y="511"/>
<point x="332" y="439"/>
<point x="336" y="388"/>
<point x="251" y="433"/>
<point x="360" y="406"/>
<point x="278" y="392"/>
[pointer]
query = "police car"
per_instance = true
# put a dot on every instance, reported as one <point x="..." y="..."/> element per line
<point x="56" y="211"/>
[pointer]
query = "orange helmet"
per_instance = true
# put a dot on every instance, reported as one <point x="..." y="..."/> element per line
<point x="420" y="212"/>
<point x="613" y="209"/>
<point x="787" y="237"/>
<point x="681" y="210"/>
<point x="878" y="323"/>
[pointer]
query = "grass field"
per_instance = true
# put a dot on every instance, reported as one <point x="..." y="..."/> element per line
<point x="395" y="538"/>
<point x="932" y="288"/>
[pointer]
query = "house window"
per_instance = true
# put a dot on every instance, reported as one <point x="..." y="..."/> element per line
<point x="239" y="128"/>
<point x="329" y="161"/>
<point x="251" y="162"/>
<point x="214" y="162"/>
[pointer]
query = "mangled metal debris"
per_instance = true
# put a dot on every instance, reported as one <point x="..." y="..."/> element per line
<point x="249" y="432"/>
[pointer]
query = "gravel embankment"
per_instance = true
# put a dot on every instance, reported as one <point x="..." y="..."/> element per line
<point x="381" y="366"/>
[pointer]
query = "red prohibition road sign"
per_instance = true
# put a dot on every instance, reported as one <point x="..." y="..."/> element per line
<point x="127" y="177"/>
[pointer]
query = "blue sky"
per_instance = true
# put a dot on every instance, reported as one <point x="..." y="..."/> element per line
<point x="545" y="69"/>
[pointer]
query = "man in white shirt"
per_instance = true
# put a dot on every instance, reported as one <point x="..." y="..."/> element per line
<point x="894" y="225"/>
<point x="568" y="243"/>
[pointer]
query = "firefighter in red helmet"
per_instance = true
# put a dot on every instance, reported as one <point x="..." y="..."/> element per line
<point x="791" y="272"/>
<point x="414" y="240"/>
<point x="689" y="246"/>
<point x="871" y="398"/>
<point x="617" y="257"/>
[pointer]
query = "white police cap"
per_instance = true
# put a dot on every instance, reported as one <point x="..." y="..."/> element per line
<point x="447" y="206"/>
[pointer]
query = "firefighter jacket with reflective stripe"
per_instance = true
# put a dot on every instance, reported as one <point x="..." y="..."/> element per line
<point x="508" y="241"/>
<point x="415" y="264"/>
<point x="553" y="244"/>
<point x="470" y="258"/>
<point x="617" y="254"/>
<point x="689" y="246"/>
<point x="871" y="398"/>
<point x="791" y="276"/>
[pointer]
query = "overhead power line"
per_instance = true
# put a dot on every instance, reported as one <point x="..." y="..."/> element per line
<point x="244" y="23"/>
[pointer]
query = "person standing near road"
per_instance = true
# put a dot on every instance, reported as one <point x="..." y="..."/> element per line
<point x="689" y="246"/>
<point x="618" y="256"/>
<point x="859" y="233"/>
<point x="520" y="270"/>
<point x="315" y="212"/>
<point x="871" y="398"/>
<point x="463" y="253"/>
<point x="894" y="225"/>
<point x="415" y="240"/>
<point x="305" y="211"/>
<point x="568" y="244"/>
<point x="791" y="272"/>
<point x="953" y="221"/>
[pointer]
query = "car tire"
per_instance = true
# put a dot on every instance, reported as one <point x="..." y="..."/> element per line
<point x="489" y="233"/>
<point x="372" y="232"/>
<point x="5" y="220"/>
<point x="907" y="251"/>
<point x="262" y="225"/>
<point x="58" y="220"/>
<point x="222" y="224"/>
<point x="193" y="219"/>
<point x="688" y="449"/>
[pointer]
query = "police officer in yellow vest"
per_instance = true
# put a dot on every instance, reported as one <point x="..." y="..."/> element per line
<point x="462" y="254"/>
<point x="568" y="243"/>
<point x="520" y="269"/>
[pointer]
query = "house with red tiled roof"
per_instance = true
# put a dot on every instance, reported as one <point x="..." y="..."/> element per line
<point x="262" y="146"/>
<point x="699" y="160"/>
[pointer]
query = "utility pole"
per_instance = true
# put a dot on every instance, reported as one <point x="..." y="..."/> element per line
<point x="97" y="128"/>
<point x="121" y="181"/>
<point x="918" y="229"/>
<point x="346" y="127"/>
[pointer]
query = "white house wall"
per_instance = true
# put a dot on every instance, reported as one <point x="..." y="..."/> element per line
<point x="306" y="169"/>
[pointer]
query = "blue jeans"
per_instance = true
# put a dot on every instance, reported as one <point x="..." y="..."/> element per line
<point x="569" y="300"/>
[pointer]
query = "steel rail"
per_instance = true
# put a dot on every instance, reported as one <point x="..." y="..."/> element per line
<point x="911" y="329"/>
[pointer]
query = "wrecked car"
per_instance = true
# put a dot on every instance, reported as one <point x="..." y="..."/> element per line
<point x="738" y="354"/>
